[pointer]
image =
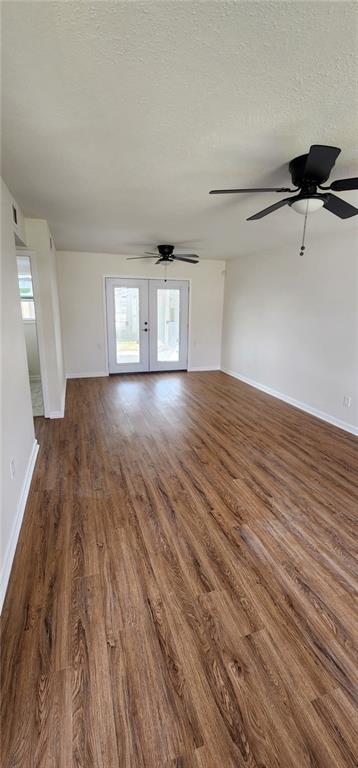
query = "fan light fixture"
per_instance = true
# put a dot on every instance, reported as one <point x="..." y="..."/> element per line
<point x="307" y="205"/>
<point x="308" y="172"/>
<point x="165" y="255"/>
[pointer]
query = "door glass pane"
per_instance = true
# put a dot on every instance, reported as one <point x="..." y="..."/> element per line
<point x="25" y="285"/>
<point x="126" y="303"/>
<point x="168" y="324"/>
<point x="28" y="310"/>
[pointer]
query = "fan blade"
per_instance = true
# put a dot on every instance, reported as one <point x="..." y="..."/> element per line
<point x="186" y="255"/>
<point x="320" y="162"/>
<point x="152" y="253"/>
<point x="140" y="257"/>
<point x="339" y="207"/>
<point x="181" y="258"/>
<point x="159" y="261"/>
<point x="271" y="208"/>
<point x="260" y="189"/>
<point x="343" y="184"/>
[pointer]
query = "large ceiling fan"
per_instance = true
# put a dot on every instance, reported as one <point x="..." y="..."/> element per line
<point x="308" y="173"/>
<point x="166" y="255"/>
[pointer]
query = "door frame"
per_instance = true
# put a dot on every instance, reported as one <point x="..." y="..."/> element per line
<point x="141" y="277"/>
<point x="20" y="251"/>
<point x="143" y="300"/>
<point x="183" y="325"/>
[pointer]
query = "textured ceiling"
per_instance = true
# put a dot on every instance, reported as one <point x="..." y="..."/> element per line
<point x="118" y="117"/>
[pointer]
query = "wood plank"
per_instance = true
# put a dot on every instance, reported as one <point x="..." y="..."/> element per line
<point x="184" y="588"/>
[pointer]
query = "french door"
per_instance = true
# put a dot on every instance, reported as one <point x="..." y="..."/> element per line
<point x="147" y="324"/>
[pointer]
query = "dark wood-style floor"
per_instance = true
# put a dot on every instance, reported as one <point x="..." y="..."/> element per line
<point x="183" y="592"/>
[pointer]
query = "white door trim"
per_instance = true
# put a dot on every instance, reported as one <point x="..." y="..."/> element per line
<point x="149" y="279"/>
<point x="182" y="363"/>
<point x="39" y="325"/>
<point x="142" y="285"/>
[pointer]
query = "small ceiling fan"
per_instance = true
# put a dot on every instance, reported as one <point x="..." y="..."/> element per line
<point x="166" y="254"/>
<point x="308" y="173"/>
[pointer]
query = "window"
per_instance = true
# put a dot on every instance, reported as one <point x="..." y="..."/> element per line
<point x="26" y="289"/>
<point x="25" y="285"/>
<point x="126" y="302"/>
<point x="168" y="311"/>
<point x="28" y="310"/>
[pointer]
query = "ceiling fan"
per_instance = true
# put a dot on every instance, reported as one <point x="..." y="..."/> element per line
<point x="308" y="173"/>
<point x="166" y="255"/>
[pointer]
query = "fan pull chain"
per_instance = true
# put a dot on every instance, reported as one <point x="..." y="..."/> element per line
<point x="303" y="247"/>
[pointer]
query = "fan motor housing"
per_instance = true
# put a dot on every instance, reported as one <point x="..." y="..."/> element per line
<point x="297" y="167"/>
<point x="165" y="249"/>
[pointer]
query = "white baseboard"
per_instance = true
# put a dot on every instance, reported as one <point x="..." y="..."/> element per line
<point x="296" y="403"/>
<point x="204" y="368"/>
<point x="60" y="414"/>
<point x="86" y="375"/>
<point x="11" y="547"/>
<point x="98" y="374"/>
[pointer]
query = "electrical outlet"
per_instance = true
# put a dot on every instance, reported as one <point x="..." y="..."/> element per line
<point x="12" y="469"/>
<point x="347" y="401"/>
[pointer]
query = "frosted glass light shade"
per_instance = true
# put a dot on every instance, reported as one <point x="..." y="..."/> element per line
<point x="300" y="206"/>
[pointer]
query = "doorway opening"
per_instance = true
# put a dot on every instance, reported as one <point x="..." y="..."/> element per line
<point x="147" y="324"/>
<point x="28" y="311"/>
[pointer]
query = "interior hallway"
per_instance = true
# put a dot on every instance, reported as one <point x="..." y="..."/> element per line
<point x="36" y="398"/>
<point x="183" y="588"/>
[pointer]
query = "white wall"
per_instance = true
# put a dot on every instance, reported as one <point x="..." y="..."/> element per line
<point x="81" y="286"/>
<point x="32" y="350"/>
<point x="17" y="428"/>
<point x="38" y="238"/>
<point x="291" y="324"/>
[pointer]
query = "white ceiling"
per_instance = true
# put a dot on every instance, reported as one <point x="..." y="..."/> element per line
<point x="118" y="117"/>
